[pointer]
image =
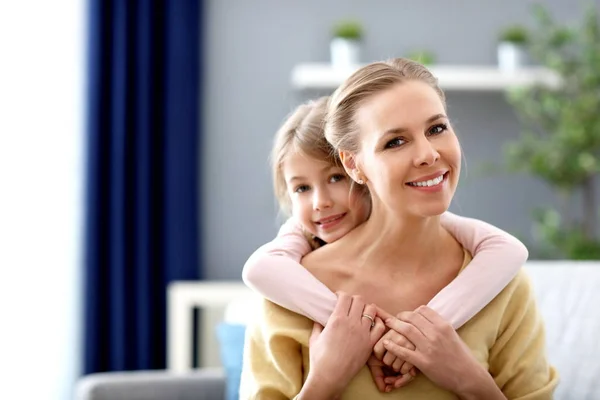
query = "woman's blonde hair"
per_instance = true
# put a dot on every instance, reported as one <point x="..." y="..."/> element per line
<point x="302" y="132"/>
<point x="341" y="129"/>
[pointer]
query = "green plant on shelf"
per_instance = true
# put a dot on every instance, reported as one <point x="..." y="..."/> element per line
<point x="348" y="29"/>
<point x="516" y="34"/>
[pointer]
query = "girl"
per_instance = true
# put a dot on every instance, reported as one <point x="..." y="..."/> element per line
<point x="311" y="184"/>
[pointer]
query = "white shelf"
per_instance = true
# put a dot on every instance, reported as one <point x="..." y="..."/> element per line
<point x="450" y="77"/>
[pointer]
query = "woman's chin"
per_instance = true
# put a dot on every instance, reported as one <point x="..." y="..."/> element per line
<point x="432" y="210"/>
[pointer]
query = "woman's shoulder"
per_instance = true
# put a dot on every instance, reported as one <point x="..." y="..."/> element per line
<point x="520" y="286"/>
<point x="516" y="301"/>
<point x="322" y="255"/>
<point x="274" y="320"/>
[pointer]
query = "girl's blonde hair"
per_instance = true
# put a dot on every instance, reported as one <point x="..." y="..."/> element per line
<point x="302" y="132"/>
<point x="341" y="129"/>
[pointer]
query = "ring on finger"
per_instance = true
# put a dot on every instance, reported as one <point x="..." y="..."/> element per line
<point x="371" y="318"/>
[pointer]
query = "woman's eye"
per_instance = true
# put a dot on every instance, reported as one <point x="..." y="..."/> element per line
<point x="301" y="188"/>
<point x="337" y="178"/>
<point x="437" y="129"/>
<point x="395" y="143"/>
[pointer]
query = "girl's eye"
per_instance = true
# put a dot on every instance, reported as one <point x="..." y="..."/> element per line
<point x="337" y="178"/>
<point x="397" y="142"/>
<point x="437" y="129"/>
<point x="301" y="188"/>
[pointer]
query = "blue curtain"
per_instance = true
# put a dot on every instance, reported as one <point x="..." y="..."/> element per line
<point x="142" y="186"/>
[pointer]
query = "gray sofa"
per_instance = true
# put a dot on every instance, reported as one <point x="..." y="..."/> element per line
<point x="568" y="295"/>
<point x="203" y="384"/>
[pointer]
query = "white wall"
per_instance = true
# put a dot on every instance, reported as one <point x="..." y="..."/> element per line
<point x="41" y="176"/>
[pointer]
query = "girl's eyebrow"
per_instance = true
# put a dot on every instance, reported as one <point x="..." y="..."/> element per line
<point x="298" y="178"/>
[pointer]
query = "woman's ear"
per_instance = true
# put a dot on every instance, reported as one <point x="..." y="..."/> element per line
<point x="350" y="165"/>
<point x="348" y="161"/>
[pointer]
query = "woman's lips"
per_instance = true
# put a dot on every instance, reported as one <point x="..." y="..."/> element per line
<point x="435" y="187"/>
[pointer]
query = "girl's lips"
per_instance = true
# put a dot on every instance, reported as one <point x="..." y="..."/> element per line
<point x="330" y="222"/>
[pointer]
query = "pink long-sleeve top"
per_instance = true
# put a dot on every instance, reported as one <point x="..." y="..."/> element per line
<point x="274" y="271"/>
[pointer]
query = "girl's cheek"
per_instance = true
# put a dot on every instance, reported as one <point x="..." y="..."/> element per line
<point x="300" y="211"/>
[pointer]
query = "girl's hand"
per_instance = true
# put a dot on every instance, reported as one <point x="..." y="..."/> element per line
<point x="384" y="377"/>
<point x="389" y="358"/>
<point x="341" y="349"/>
<point x="440" y="353"/>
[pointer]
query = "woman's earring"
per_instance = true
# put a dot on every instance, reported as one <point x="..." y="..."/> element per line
<point x="359" y="180"/>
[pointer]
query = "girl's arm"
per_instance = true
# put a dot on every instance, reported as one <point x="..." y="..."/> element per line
<point x="497" y="257"/>
<point x="274" y="271"/>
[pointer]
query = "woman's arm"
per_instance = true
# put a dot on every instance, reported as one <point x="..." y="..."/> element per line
<point x="275" y="272"/>
<point x="273" y="355"/>
<point x="276" y="361"/>
<point x="497" y="257"/>
<point x="442" y="355"/>
<point x="518" y="361"/>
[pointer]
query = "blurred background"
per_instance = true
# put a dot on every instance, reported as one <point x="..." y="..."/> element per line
<point x="134" y="144"/>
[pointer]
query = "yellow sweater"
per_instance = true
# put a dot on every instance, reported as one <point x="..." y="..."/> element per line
<point x="507" y="337"/>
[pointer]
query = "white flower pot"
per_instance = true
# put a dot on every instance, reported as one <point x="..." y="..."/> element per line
<point x="510" y="56"/>
<point x="344" y="53"/>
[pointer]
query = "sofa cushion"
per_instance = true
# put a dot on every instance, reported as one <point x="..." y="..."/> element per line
<point x="568" y="297"/>
<point x="231" y="341"/>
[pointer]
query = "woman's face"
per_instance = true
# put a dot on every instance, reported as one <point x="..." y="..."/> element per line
<point x="408" y="150"/>
<point x="321" y="197"/>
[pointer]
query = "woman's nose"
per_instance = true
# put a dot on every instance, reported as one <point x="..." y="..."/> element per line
<point x="425" y="153"/>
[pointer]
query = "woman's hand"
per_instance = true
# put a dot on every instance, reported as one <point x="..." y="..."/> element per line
<point x="341" y="349"/>
<point x="440" y="353"/>
<point x="390" y="359"/>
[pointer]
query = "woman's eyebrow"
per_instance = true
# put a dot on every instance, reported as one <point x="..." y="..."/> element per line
<point x="399" y="130"/>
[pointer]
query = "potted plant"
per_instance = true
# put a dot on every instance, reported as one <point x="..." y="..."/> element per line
<point x="511" y="48"/>
<point x="561" y="139"/>
<point x="346" y="43"/>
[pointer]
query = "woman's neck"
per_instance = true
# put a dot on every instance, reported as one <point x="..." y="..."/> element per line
<point x="386" y="241"/>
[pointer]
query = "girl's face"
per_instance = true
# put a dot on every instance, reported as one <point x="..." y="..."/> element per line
<point x="321" y="197"/>
<point x="409" y="152"/>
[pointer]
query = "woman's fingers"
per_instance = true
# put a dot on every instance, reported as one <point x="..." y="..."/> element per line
<point x="383" y="314"/>
<point x="377" y="331"/>
<point x="356" y="308"/>
<point x="371" y="311"/>
<point x="402" y="352"/>
<point x="342" y="307"/>
<point x="419" y="321"/>
<point x="433" y="317"/>
<point x="412" y="333"/>
<point x="314" y="335"/>
<point x="390" y="359"/>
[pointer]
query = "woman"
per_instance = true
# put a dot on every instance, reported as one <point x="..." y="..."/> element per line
<point x="388" y="122"/>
